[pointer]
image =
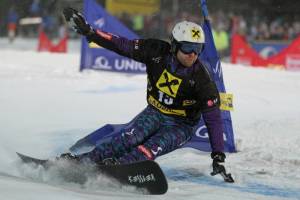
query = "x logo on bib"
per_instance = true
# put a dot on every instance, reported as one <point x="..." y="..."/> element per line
<point x="168" y="83"/>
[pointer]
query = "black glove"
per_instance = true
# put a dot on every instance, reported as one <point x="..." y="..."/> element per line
<point x="219" y="157"/>
<point x="77" y="21"/>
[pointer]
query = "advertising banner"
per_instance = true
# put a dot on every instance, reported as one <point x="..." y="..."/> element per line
<point x="268" y="49"/>
<point x="288" y="58"/>
<point x="144" y="7"/>
<point x="98" y="58"/>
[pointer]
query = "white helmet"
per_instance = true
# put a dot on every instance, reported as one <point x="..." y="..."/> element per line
<point x="187" y="32"/>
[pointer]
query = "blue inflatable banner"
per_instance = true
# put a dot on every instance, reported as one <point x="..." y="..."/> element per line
<point x="98" y="58"/>
<point x="200" y="140"/>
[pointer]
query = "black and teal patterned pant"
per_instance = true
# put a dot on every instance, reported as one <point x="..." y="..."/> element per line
<point x="149" y="135"/>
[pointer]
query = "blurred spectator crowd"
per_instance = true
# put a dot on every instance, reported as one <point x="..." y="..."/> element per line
<point x="255" y="27"/>
<point x="31" y="18"/>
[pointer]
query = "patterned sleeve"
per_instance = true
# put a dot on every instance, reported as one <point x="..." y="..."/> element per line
<point x="141" y="50"/>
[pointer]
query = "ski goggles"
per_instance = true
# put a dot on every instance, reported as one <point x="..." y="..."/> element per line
<point x="189" y="47"/>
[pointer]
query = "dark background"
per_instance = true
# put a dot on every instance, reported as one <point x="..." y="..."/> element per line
<point x="253" y="11"/>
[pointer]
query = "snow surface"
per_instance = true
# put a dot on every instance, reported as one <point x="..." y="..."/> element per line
<point x="46" y="105"/>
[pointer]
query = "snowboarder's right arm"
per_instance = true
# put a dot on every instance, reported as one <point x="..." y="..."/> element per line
<point x="138" y="49"/>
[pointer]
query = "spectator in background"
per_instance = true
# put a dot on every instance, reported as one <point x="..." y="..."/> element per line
<point x="35" y="9"/>
<point x="151" y="24"/>
<point x="296" y="28"/>
<point x="49" y="24"/>
<point x="12" y="21"/>
<point x="138" y="24"/>
<point x="126" y="19"/>
<point x="221" y="40"/>
<point x="262" y="31"/>
<point x="63" y="29"/>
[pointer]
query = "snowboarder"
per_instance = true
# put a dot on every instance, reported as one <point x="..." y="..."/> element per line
<point x="179" y="91"/>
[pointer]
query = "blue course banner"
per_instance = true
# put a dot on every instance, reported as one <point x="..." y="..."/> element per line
<point x="95" y="57"/>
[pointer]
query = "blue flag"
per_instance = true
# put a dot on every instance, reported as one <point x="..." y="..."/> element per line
<point x="95" y="57"/>
<point x="209" y="55"/>
<point x="211" y="58"/>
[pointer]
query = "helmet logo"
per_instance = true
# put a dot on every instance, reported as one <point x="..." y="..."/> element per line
<point x="195" y="34"/>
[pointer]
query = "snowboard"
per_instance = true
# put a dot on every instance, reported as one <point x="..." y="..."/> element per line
<point x="146" y="175"/>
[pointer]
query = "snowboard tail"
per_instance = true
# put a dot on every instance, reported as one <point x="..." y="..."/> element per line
<point x="28" y="159"/>
<point x="144" y="175"/>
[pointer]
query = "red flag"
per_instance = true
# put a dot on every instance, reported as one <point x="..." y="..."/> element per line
<point x="45" y="44"/>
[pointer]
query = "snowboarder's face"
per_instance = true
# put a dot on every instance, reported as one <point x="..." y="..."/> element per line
<point x="186" y="59"/>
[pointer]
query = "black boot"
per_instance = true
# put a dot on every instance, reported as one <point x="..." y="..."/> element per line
<point x="68" y="157"/>
<point x="110" y="161"/>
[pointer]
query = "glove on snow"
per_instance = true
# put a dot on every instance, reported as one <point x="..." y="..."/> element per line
<point x="218" y="157"/>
